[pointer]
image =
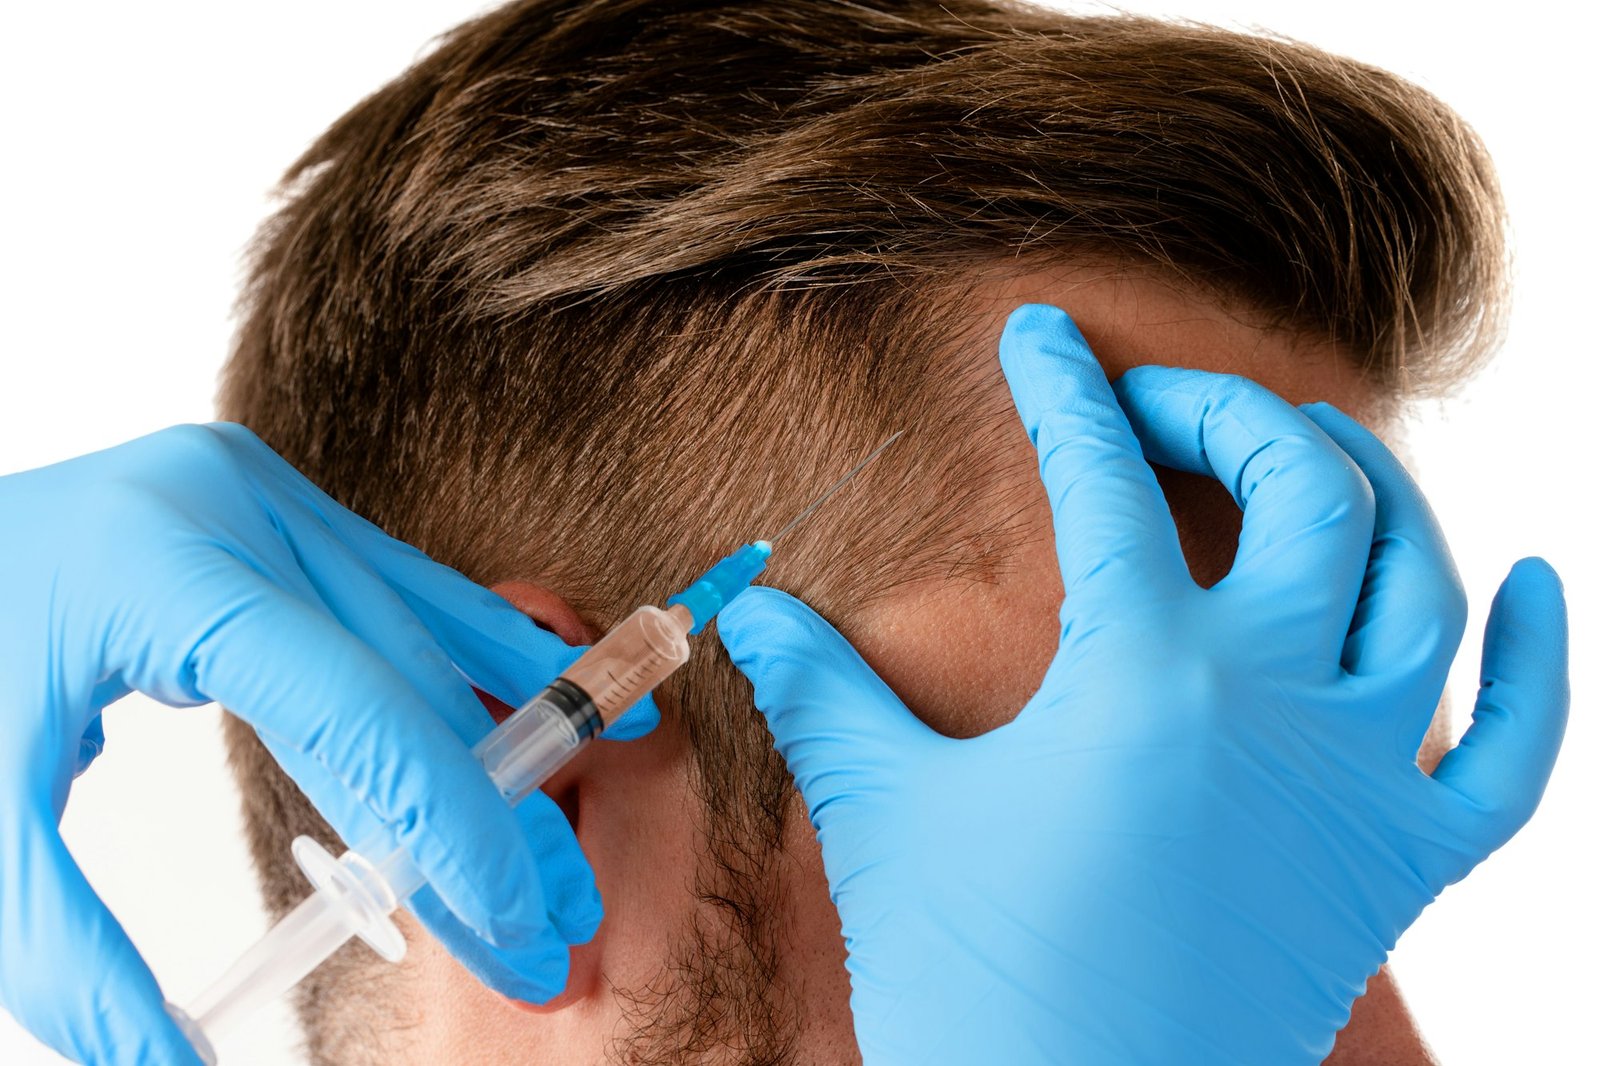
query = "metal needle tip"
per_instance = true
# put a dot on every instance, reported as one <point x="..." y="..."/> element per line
<point x="837" y="485"/>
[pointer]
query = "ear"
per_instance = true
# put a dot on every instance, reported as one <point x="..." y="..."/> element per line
<point x="550" y="611"/>
<point x="629" y="805"/>
<point x="547" y="609"/>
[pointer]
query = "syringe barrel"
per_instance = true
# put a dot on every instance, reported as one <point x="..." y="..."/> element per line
<point x="636" y="655"/>
<point x="522" y="752"/>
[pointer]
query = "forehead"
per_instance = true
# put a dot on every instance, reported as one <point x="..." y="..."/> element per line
<point x="966" y="655"/>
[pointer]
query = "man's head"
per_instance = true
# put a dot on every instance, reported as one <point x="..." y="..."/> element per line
<point x="597" y="290"/>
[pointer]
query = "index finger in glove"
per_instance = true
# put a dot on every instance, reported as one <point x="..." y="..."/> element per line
<point x="1112" y="526"/>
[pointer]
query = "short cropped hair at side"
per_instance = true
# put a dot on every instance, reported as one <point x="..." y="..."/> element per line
<point x="577" y="233"/>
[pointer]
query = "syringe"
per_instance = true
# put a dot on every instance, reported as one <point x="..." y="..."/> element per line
<point x="355" y="894"/>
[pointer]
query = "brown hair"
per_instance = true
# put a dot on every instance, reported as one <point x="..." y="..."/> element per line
<point x="577" y="233"/>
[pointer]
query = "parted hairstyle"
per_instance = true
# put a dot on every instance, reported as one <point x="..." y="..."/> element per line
<point x="729" y="237"/>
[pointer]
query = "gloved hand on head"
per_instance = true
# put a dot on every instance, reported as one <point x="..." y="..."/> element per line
<point x="196" y="565"/>
<point x="1205" y="831"/>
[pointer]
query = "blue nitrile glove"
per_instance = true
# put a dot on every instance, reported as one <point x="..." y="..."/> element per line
<point x="196" y="565"/>
<point x="1206" y="830"/>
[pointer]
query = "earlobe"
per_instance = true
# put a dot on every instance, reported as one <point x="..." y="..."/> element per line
<point x="548" y="609"/>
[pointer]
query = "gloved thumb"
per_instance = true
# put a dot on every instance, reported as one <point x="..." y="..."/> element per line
<point x="837" y="724"/>
<point x="1504" y="760"/>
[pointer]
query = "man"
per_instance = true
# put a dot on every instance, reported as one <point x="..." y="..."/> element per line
<point x="595" y="291"/>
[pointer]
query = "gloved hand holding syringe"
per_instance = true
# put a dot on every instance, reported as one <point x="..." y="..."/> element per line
<point x="356" y="893"/>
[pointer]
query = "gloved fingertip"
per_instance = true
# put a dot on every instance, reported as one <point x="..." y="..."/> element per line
<point x="533" y="973"/>
<point x="540" y="975"/>
<point x="1537" y="570"/>
<point x="1531" y="601"/>
<point x="578" y="925"/>
<point x="1050" y="321"/>
<point x="515" y="678"/>
<point x="772" y="604"/>
<point x="1527" y="620"/>
<point x="754" y="616"/>
<point x="1139" y="388"/>
<point x="1034" y="332"/>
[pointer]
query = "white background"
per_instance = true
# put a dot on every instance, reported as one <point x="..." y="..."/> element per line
<point x="140" y="140"/>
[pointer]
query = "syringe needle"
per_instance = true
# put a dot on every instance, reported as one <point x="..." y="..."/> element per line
<point x="837" y="485"/>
